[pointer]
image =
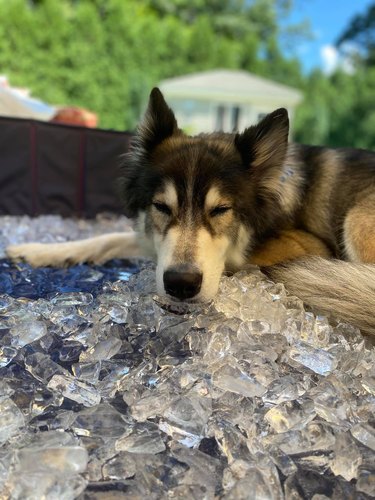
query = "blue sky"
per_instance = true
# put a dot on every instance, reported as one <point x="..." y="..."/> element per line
<point x="328" y="18"/>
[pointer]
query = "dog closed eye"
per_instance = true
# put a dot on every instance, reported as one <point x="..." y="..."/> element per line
<point x="162" y="207"/>
<point x="219" y="210"/>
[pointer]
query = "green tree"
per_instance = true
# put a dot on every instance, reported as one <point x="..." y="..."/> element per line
<point x="339" y="110"/>
<point x="361" y="31"/>
<point x="106" y="54"/>
<point x="312" y="119"/>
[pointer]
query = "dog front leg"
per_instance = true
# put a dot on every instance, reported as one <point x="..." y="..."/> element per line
<point x="289" y="245"/>
<point x="96" y="250"/>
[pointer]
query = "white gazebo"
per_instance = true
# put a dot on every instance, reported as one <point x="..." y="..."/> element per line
<point x="225" y="100"/>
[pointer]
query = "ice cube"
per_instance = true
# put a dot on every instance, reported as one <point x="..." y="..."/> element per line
<point x="347" y="457"/>
<point x="318" y="360"/>
<point x="231" y="378"/>
<point x="73" y="389"/>
<point x="102" y="421"/>
<point x="62" y="460"/>
<point x="72" y="299"/>
<point x="11" y="419"/>
<point x="104" y="349"/>
<point x="27" y="331"/>
<point x="87" y="372"/>
<point x="143" y="438"/>
<point x="290" y="415"/>
<point x="42" y="367"/>
<point x="365" y="434"/>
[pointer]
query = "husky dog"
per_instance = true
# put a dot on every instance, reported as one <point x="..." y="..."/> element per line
<point x="218" y="202"/>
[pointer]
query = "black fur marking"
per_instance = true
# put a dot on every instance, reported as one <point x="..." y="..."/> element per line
<point x="139" y="179"/>
<point x="137" y="185"/>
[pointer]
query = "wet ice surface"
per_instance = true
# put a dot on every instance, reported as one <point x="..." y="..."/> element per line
<point x="109" y="390"/>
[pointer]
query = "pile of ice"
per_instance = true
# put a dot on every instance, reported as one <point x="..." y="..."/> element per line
<point x="121" y="393"/>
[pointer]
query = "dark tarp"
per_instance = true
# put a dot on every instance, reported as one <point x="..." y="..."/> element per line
<point x="47" y="168"/>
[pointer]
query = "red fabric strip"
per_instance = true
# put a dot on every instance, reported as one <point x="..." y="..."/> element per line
<point x="81" y="175"/>
<point x="34" y="169"/>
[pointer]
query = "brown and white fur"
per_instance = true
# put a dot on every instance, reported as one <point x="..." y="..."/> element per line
<point x="211" y="203"/>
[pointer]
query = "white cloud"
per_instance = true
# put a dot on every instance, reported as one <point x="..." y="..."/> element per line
<point x="332" y="59"/>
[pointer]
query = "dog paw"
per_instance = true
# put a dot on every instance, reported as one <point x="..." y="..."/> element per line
<point x="40" y="254"/>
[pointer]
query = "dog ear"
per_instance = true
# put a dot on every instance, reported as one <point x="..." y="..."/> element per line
<point x="136" y="184"/>
<point x="158" y="123"/>
<point x="265" y="145"/>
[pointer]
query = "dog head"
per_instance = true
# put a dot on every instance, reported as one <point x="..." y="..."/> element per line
<point x="203" y="202"/>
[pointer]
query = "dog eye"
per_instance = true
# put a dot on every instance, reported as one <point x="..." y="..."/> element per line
<point x="220" y="210"/>
<point x="163" y="208"/>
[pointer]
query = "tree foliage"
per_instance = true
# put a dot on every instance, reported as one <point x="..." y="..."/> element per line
<point x="106" y="55"/>
<point x="339" y="109"/>
<point x="361" y="32"/>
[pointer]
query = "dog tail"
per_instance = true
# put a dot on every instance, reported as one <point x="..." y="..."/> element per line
<point x="334" y="287"/>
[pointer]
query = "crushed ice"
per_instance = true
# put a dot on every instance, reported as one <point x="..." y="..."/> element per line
<point x="110" y="390"/>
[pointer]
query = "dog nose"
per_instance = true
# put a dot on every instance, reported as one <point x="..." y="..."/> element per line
<point x="182" y="281"/>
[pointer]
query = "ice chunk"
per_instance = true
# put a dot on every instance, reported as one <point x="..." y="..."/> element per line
<point x="67" y="319"/>
<point x="11" y="419"/>
<point x="102" y="421"/>
<point x="347" y="457"/>
<point x="70" y="351"/>
<point x="43" y="399"/>
<point x="87" y="372"/>
<point x="7" y="354"/>
<point x="231" y="378"/>
<point x="42" y="367"/>
<point x="48" y="471"/>
<point x="72" y="299"/>
<point x="104" y="349"/>
<point x="282" y="461"/>
<point x="74" y="389"/>
<point x="143" y="438"/>
<point x="315" y="436"/>
<point x="331" y="401"/>
<point x="115" y="306"/>
<point x="145" y="281"/>
<point x="150" y="404"/>
<point x="202" y="470"/>
<point x="366" y="478"/>
<point x="290" y="415"/>
<point x="186" y="418"/>
<point x="318" y="360"/>
<point x="5" y="390"/>
<point x="257" y="482"/>
<point x="54" y="419"/>
<point x="61" y="460"/>
<point x="287" y="388"/>
<point x="365" y="434"/>
<point x="368" y="383"/>
<point x="122" y="466"/>
<point x="22" y="486"/>
<point x="27" y="331"/>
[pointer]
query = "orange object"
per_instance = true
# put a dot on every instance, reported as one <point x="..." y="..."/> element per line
<point x="76" y="116"/>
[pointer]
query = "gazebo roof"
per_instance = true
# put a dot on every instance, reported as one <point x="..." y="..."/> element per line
<point x="229" y="85"/>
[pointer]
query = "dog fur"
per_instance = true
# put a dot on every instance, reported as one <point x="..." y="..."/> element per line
<point x="218" y="202"/>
